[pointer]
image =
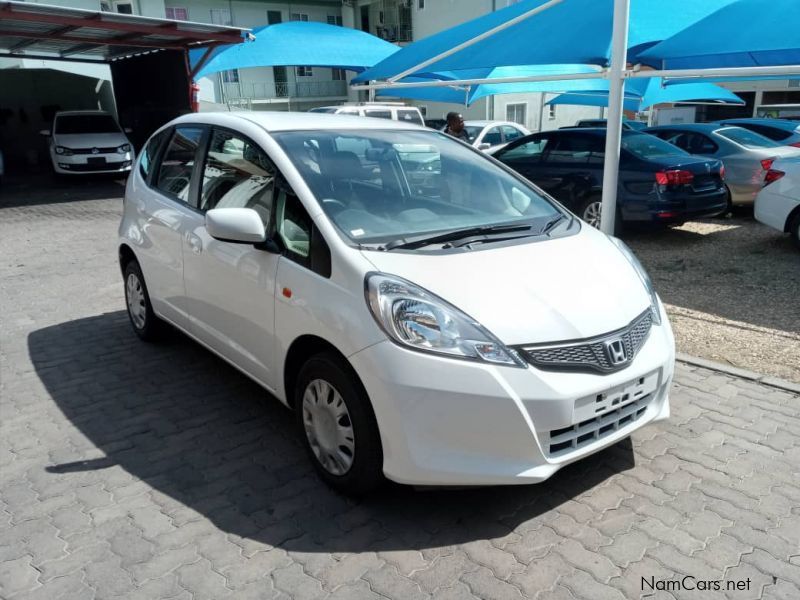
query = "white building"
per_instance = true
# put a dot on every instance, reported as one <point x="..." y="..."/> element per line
<point x="398" y="21"/>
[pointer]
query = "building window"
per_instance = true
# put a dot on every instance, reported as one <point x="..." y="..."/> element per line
<point x="230" y="76"/>
<point x="177" y="14"/>
<point x="221" y="16"/>
<point x="304" y="71"/>
<point x="124" y="7"/>
<point x="420" y="4"/>
<point x="551" y="111"/>
<point x="334" y="20"/>
<point x="517" y="113"/>
<point x="298" y="17"/>
<point x="338" y="74"/>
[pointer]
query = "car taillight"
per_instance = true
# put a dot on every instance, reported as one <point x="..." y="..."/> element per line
<point x="796" y="144"/>
<point x="772" y="176"/>
<point x="674" y="177"/>
<point x="766" y="164"/>
<point x="722" y="172"/>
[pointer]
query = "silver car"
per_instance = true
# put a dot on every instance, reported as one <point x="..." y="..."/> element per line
<point x="747" y="156"/>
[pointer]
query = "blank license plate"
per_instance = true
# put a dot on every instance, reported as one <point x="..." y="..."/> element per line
<point x="96" y="160"/>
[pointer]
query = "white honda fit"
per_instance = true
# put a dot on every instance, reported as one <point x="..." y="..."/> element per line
<point x="430" y="316"/>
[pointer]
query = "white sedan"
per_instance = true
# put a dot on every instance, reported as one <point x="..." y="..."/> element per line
<point x="88" y="141"/>
<point x="778" y="202"/>
<point x="493" y="135"/>
<point x="432" y="329"/>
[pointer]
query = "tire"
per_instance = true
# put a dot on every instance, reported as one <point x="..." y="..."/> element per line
<point x="144" y="321"/>
<point x="332" y="407"/>
<point x="729" y="205"/>
<point x="794" y="230"/>
<point x="590" y="211"/>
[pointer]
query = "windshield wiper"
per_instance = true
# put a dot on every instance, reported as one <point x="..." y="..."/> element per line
<point x="552" y="223"/>
<point x="411" y="243"/>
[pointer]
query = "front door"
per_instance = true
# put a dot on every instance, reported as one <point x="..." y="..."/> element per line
<point x="230" y="286"/>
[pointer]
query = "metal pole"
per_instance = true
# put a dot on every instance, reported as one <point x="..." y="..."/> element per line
<point x="616" y="98"/>
<point x="385" y="85"/>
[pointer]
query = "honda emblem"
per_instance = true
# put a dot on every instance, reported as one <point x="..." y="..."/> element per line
<point x="615" y="349"/>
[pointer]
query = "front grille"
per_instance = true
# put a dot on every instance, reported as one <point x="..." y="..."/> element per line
<point x="593" y="355"/>
<point x="565" y="440"/>
<point x="92" y="150"/>
<point x="107" y="166"/>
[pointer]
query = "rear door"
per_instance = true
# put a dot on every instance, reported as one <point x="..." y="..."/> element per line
<point x="525" y="156"/>
<point x="573" y="167"/>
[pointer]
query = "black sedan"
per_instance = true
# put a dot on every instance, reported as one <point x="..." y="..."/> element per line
<point x="658" y="183"/>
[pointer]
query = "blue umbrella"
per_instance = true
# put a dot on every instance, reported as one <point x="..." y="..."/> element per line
<point x="298" y="43"/>
<point x="747" y="33"/>
<point x="643" y="93"/>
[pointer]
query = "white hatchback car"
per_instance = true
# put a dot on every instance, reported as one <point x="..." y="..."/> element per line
<point x="778" y="202"/>
<point x="437" y="325"/>
<point x="88" y="141"/>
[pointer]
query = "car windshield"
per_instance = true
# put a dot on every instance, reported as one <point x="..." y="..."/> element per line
<point x="69" y="124"/>
<point x="745" y="137"/>
<point x="378" y="186"/>
<point x="473" y="131"/>
<point x="646" y="146"/>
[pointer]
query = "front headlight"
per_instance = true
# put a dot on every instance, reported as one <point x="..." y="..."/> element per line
<point x="63" y="151"/>
<point x="420" y="320"/>
<point x="645" y="278"/>
<point x="124" y="149"/>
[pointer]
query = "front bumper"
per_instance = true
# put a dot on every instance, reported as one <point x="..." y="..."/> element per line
<point x="453" y="422"/>
<point x="91" y="163"/>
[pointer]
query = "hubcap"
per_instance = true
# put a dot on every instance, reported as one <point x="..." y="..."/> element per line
<point x="591" y="214"/>
<point x="328" y="427"/>
<point x="134" y="294"/>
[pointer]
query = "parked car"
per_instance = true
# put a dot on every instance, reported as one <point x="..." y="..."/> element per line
<point x="747" y="156"/>
<point x="626" y="124"/>
<point x="88" y="141"/>
<point x="658" y="183"/>
<point x="778" y="202"/>
<point x="492" y="135"/>
<point x="783" y="131"/>
<point x="403" y="325"/>
<point x="392" y="112"/>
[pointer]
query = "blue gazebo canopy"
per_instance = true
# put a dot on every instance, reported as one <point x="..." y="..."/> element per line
<point x="298" y="43"/>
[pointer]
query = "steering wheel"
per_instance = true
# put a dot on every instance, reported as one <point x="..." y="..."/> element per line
<point x="333" y="202"/>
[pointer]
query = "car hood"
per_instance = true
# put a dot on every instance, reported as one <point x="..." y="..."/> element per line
<point x="90" y="140"/>
<point x="551" y="290"/>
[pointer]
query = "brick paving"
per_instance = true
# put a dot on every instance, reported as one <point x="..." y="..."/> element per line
<point x="136" y="471"/>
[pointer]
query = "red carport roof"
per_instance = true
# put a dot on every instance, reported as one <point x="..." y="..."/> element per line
<point x="58" y="32"/>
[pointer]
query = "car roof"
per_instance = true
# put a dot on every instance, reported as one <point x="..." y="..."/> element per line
<point x="484" y="123"/>
<point x="701" y="127"/>
<point x="292" y="121"/>
<point x="779" y="123"/>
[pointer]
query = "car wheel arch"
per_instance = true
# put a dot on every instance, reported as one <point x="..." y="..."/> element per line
<point x="299" y="351"/>
<point x="791" y="219"/>
<point x="126" y="255"/>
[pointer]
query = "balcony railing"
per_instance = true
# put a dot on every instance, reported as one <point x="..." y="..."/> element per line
<point x="257" y="90"/>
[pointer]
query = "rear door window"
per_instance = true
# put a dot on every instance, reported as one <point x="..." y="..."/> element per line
<point x="577" y="149"/>
<point x="409" y="116"/>
<point x="511" y="133"/>
<point x="530" y="151"/>
<point x="178" y="164"/>
<point x="493" y="137"/>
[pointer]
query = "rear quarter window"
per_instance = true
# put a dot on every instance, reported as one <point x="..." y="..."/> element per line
<point x="150" y="153"/>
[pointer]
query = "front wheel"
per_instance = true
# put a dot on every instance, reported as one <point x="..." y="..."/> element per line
<point x="338" y="425"/>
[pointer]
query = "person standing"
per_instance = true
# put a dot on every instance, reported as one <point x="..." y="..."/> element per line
<point x="455" y="127"/>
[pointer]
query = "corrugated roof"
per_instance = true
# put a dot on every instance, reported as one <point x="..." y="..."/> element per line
<point x="39" y="29"/>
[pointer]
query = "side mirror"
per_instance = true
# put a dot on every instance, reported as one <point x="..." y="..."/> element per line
<point x="45" y="132"/>
<point x="238" y="225"/>
<point x="484" y="146"/>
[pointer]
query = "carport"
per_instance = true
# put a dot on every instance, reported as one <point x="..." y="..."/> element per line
<point x="151" y="79"/>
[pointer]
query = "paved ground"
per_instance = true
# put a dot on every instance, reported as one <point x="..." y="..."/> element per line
<point x="135" y="471"/>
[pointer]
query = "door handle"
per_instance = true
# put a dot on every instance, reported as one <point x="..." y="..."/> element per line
<point x="195" y="243"/>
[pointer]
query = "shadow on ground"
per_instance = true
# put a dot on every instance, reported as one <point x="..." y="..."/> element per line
<point x="195" y="429"/>
<point x="46" y="187"/>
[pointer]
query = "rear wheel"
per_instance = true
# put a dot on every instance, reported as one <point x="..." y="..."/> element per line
<point x="728" y="206"/>
<point x="140" y="312"/>
<point x="338" y="425"/>
<point x="591" y="211"/>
